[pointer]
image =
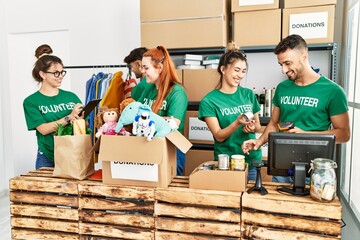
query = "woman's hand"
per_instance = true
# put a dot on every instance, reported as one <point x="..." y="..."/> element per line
<point x="76" y="111"/>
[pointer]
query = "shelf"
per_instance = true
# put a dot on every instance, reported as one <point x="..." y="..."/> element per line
<point x="219" y="50"/>
<point x="270" y="48"/>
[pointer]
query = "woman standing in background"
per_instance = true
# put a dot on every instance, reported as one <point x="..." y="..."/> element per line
<point x="49" y="106"/>
<point x="164" y="93"/>
<point x="222" y="109"/>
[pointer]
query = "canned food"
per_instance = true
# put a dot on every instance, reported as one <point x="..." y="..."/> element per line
<point x="223" y="160"/>
<point x="248" y="116"/>
<point x="210" y="166"/>
<point x="238" y="162"/>
<point x="203" y="168"/>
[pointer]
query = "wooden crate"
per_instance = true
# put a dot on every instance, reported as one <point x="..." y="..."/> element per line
<point x="280" y="216"/>
<point x="183" y="213"/>
<point x="115" y="212"/>
<point x="43" y="206"/>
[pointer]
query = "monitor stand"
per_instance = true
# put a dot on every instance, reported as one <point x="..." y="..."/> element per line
<point x="258" y="183"/>
<point x="298" y="188"/>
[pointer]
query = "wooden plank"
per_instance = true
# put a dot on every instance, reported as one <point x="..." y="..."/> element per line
<point x="162" y="235"/>
<point x="44" y="184"/>
<point x="118" y="232"/>
<point x="197" y="196"/>
<point x="192" y="226"/>
<point x="43" y="199"/>
<point x="291" y="222"/>
<point x="44" y="211"/>
<point x="134" y="220"/>
<point x="256" y="232"/>
<point x="27" y="234"/>
<point x="175" y="184"/>
<point x="116" y="205"/>
<point x="45" y="224"/>
<point x="181" y="211"/>
<point x="304" y="206"/>
<point x="92" y="189"/>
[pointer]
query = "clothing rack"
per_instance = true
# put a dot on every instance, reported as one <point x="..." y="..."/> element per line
<point x="97" y="66"/>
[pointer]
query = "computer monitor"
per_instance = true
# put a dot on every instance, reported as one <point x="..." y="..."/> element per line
<point x="290" y="154"/>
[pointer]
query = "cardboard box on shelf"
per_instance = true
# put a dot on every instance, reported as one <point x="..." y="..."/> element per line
<point x="314" y="24"/>
<point x="307" y="3"/>
<point x="180" y="74"/>
<point x="226" y="180"/>
<point x="185" y="9"/>
<point x="251" y="5"/>
<point x="190" y="33"/>
<point x="196" y="130"/>
<point x="196" y="157"/>
<point x="136" y="161"/>
<point x="257" y="28"/>
<point x="198" y="82"/>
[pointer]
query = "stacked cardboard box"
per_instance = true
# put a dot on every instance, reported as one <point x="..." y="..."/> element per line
<point x="184" y="24"/>
<point x="256" y="22"/>
<point x="313" y="20"/>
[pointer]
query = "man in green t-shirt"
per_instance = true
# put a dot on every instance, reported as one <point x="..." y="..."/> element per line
<point x="134" y="62"/>
<point x="310" y="100"/>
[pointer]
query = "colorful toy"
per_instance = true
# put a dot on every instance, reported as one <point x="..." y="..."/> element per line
<point x="106" y="121"/>
<point x="128" y="115"/>
<point x="144" y="126"/>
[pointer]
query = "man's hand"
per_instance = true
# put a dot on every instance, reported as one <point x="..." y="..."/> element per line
<point x="249" y="145"/>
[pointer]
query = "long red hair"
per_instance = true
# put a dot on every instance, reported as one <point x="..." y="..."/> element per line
<point x="167" y="77"/>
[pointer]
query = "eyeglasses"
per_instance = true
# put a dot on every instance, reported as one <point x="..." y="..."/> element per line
<point x="57" y="73"/>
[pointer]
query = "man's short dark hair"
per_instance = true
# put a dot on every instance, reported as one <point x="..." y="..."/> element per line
<point x="135" y="54"/>
<point x="293" y="41"/>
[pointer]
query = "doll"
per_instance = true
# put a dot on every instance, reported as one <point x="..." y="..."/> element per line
<point x="106" y="121"/>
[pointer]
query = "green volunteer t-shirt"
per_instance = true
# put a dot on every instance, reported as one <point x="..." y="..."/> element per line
<point x="39" y="109"/>
<point x="175" y="104"/>
<point x="226" y="108"/>
<point x="310" y="107"/>
<point x="138" y="89"/>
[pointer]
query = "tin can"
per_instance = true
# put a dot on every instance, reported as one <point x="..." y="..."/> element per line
<point x="202" y="168"/>
<point x="209" y="166"/>
<point x="238" y="162"/>
<point x="223" y="161"/>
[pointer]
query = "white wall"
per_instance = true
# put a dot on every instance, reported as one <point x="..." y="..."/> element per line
<point x="82" y="32"/>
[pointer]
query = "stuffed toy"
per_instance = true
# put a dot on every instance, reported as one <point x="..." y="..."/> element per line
<point x="134" y="109"/>
<point x="143" y="125"/>
<point x="106" y="121"/>
<point x="123" y="104"/>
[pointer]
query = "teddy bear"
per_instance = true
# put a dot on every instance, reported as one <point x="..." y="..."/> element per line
<point x="106" y="121"/>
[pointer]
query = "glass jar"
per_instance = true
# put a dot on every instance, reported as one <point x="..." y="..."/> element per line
<point x="323" y="179"/>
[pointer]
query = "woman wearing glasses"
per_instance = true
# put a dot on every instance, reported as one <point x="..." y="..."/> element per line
<point x="222" y="109"/>
<point x="49" y="106"/>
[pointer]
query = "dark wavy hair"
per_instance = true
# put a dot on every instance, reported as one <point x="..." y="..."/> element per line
<point x="293" y="41"/>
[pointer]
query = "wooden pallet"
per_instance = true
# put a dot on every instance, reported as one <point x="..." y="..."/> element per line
<point x="280" y="216"/>
<point x="183" y="213"/>
<point x="115" y="212"/>
<point x="44" y="207"/>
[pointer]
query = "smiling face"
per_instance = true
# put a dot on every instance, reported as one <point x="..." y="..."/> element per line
<point x="49" y="78"/>
<point x="233" y="73"/>
<point x="149" y="71"/>
<point x="110" y="116"/>
<point x="292" y="63"/>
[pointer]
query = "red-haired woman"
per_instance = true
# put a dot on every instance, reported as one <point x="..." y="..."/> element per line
<point x="164" y="94"/>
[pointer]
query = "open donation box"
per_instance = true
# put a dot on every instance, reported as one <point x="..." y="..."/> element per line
<point x="132" y="160"/>
<point x="226" y="180"/>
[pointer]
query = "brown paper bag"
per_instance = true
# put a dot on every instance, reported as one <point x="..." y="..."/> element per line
<point x="74" y="157"/>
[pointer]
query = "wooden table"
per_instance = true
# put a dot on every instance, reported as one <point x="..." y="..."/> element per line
<point x="45" y="207"/>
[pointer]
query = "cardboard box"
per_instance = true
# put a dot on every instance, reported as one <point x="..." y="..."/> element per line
<point x="198" y="82"/>
<point x="191" y="33"/>
<point x="184" y="9"/>
<point x="179" y="74"/>
<point x="257" y="28"/>
<point x="219" y="179"/>
<point x="139" y="162"/>
<point x="307" y="3"/>
<point x="314" y="24"/>
<point x="196" y="130"/>
<point x="196" y="157"/>
<point x="251" y="5"/>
